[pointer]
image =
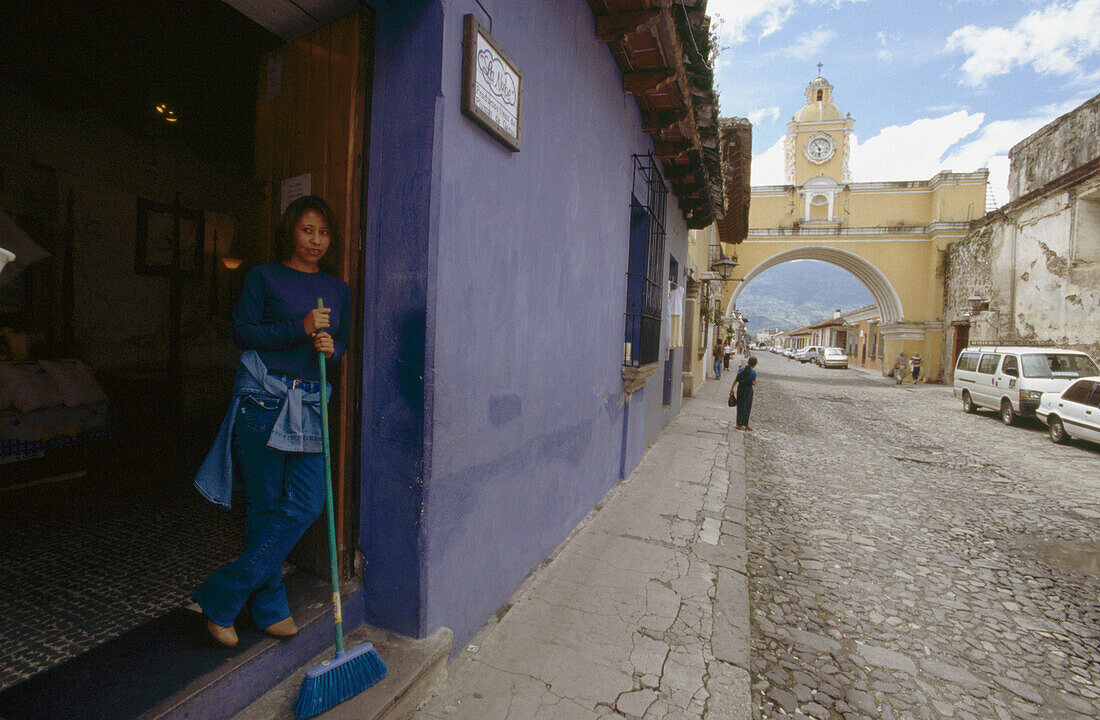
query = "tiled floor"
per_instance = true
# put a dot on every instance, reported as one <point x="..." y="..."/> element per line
<point x="80" y="564"/>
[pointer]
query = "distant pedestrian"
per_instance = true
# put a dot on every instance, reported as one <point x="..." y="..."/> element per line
<point x="719" y="355"/>
<point x="727" y="350"/>
<point x="914" y="365"/>
<point x="744" y="382"/>
<point x="900" y="364"/>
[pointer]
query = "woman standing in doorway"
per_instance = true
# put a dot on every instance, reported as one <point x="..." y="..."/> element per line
<point x="745" y="381"/>
<point x="270" y="441"/>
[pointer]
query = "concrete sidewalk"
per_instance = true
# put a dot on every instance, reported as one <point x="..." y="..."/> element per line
<point x="643" y="611"/>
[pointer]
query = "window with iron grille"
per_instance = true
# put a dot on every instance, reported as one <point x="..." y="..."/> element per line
<point x="644" y="299"/>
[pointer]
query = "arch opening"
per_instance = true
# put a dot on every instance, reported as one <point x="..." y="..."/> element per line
<point x="885" y="297"/>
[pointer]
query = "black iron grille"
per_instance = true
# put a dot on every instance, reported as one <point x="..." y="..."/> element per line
<point x="644" y="299"/>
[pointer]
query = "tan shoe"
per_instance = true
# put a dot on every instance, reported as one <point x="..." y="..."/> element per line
<point x="282" y="629"/>
<point x="226" y="636"/>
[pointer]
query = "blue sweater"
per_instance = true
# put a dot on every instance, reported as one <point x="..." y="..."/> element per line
<point x="269" y="313"/>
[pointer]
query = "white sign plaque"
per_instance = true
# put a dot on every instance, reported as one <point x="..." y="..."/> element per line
<point x="294" y="188"/>
<point x="492" y="85"/>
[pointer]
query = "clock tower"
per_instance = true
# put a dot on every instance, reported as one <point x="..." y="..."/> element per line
<point x="817" y="141"/>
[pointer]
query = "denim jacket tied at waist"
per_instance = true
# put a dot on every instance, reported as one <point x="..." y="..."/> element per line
<point x="297" y="427"/>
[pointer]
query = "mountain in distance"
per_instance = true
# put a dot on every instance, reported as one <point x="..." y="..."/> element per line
<point x="798" y="293"/>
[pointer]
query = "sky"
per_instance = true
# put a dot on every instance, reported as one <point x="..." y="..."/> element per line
<point x="931" y="84"/>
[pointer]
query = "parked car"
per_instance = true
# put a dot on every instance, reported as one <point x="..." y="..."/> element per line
<point x="1012" y="380"/>
<point x="833" y="357"/>
<point x="1073" y="412"/>
<point x="812" y="353"/>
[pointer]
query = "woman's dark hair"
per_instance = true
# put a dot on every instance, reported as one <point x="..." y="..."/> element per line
<point x="284" y="231"/>
<point x="752" y="361"/>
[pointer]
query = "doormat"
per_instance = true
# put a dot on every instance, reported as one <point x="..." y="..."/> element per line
<point x="126" y="676"/>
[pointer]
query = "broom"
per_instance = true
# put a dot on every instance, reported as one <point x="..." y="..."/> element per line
<point x="353" y="671"/>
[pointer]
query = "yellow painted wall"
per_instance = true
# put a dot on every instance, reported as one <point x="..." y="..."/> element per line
<point x="774" y="211"/>
<point x="959" y="201"/>
<point x="889" y="208"/>
<point x="866" y="205"/>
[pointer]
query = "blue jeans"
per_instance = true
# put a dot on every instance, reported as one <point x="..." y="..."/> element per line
<point x="286" y="493"/>
<point x="718" y="369"/>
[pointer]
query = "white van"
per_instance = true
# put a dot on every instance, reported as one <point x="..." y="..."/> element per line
<point x="1012" y="380"/>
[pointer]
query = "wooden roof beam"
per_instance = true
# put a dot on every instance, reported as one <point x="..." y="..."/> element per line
<point x="643" y="81"/>
<point x="675" y="173"/>
<point x="671" y="150"/>
<point x="617" y="26"/>
<point x="663" y="120"/>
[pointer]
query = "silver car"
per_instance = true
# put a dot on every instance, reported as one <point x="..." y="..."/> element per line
<point x="833" y="357"/>
<point x="1073" y="412"/>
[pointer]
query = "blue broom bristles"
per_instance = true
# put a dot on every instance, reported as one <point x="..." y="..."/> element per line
<point x="334" y="681"/>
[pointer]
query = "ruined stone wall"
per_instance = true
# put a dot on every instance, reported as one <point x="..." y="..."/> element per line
<point x="1041" y="289"/>
<point x="1064" y="144"/>
<point x="967" y="272"/>
<point x="1047" y="292"/>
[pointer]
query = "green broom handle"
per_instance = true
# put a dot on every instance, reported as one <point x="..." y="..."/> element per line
<point x="330" y="514"/>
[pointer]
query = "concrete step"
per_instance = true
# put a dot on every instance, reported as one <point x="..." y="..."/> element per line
<point x="416" y="669"/>
<point x="245" y="675"/>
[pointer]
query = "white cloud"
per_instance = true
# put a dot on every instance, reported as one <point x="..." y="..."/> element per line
<point x="741" y="20"/>
<point x="1054" y="40"/>
<point x="738" y="15"/>
<point x="995" y="138"/>
<point x="770" y="113"/>
<point x="913" y="151"/>
<point x="767" y="167"/>
<point x="1055" y="109"/>
<point x="806" y="46"/>
<point x="884" y="53"/>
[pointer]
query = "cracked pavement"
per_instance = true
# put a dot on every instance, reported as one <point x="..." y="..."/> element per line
<point x="643" y="611"/>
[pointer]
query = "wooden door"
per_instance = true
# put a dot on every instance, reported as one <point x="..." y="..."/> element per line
<point x="312" y="110"/>
<point x="962" y="339"/>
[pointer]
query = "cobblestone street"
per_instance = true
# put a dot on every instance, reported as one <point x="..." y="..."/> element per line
<point x="907" y="560"/>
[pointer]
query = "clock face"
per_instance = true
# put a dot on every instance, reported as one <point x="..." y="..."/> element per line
<point x="820" y="148"/>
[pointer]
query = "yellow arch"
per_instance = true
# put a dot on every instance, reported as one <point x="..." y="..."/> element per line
<point x="886" y="297"/>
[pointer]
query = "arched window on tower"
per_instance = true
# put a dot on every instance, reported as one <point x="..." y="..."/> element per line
<point x="820" y="94"/>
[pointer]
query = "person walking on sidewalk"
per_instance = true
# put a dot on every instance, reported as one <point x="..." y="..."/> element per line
<point x="744" y="382"/>
<point x="900" y="365"/>
<point x="269" y="443"/>
<point x="914" y="365"/>
<point x="719" y="355"/>
<point x="727" y="350"/>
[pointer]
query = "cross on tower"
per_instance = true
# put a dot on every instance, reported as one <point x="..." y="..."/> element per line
<point x="819" y="69"/>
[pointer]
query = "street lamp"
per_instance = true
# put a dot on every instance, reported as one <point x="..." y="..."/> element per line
<point x="724" y="266"/>
<point x="977" y="304"/>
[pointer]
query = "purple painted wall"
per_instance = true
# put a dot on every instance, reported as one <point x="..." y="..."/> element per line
<point x="522" y="274"/>
<point x="401" y="207"/>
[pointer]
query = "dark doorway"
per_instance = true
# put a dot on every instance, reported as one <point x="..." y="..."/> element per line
<point x="100" y="529"/>
<point x="961" y="340"/>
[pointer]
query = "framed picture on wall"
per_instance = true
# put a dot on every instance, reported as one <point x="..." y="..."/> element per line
<point x="153" y="238"/>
